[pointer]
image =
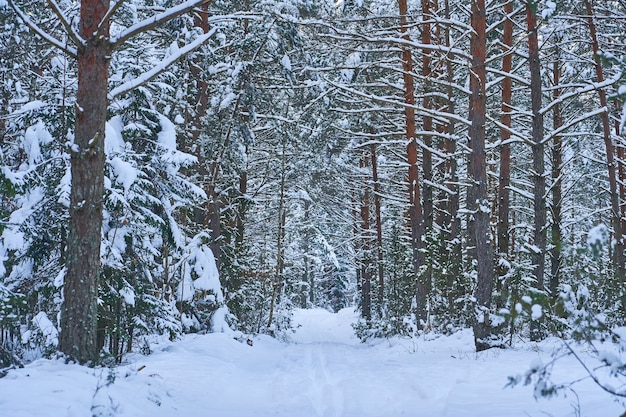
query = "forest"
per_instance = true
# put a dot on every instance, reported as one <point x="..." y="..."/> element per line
<point x="173" y="167"/>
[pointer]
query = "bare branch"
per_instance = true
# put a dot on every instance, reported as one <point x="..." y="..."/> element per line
<point x="73" y="35"/>
<point x="154" y="21"/>
<point x="40" y="32"/>
<point x="161" y="66"/>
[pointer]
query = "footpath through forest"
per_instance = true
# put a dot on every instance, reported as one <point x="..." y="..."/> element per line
<point x="323" y="371"/>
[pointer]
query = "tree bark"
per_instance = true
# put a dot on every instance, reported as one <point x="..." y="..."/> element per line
<point x="618" y="254"/>
<point x="280" y="235"/>
<point x="415" y="203"/>
<point x="79" y="311"/>
<point x="427" y="121"/>
<point x="556" y="257"/>
<point x="477" y="201"/>
<point x="456" y="250"/>
<point x="505" y="136"/>
<point x="366" y="266"/>
<point x="538" y="251"/>
<point x="379" y="231"/>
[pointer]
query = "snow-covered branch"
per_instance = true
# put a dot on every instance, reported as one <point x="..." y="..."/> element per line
<point x="161" y="66"/>
<point x="441" y="115"/>
<point x="40" y="32"/>
<point x="573" y="122"/>
<point x="154" y="21"/>
<point x="591" y="87"/>
<point x="73" y="35"/>
<point x="105" y="20"/>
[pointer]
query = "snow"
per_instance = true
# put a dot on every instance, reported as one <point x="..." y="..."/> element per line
<point x="125" y="173"/>
<point x="324" y="371"/>
<point x="34" y="137"/>
<point x="536" y="311"/>
<point x="114" y="141"/>
<point x="32" y="106"/>
<point x="598" y="236"/>
<point x="129" y="295"/>
<point x="50" y="332"/>
<point x="286" y="62"/>
<point x="549" y="10"/>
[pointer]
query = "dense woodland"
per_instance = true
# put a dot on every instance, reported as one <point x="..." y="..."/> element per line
<point x="439" y="164"/>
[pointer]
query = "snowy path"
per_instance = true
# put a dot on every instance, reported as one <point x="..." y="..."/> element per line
<point x="324" y="372"/>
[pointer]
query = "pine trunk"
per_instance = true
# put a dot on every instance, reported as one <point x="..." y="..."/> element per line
<point x="538" y="251"/>
<point x="618" y="254"/>
<point x="556" y="257"/>
<point x="427" y="120"/>
<point x="505" y="147"/>
<point x="415" y="203"/>
<point x="477" y="201"/>
<point x="456" y="256"/>
<point x="379" y="230"/>
<point x="366" y="266"/>
<point x="78" y="338"/>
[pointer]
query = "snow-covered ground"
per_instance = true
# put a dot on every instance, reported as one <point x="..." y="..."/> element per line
<point x="324" y="372"/>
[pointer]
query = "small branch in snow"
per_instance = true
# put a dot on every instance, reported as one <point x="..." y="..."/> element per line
<point x="592" y="375"/>
<point x="162" y="66"/>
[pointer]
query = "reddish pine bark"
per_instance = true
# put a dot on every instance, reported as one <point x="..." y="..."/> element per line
<point x="427" y="121"/>
<point x="454" y="201"/>
<point x="379" y="228"/>
<point x="505" y="135"/>
<point x="79" y="311"/>
<point x="415" y="203"/>
<point x="477" y="195"/>
<point x="618" y="254"/>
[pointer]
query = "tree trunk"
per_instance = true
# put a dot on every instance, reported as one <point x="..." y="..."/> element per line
<point x="456" y="250"/>
<point x="556" y="257"/>
<point x="621" y="171"/>
<point x="242" y="207"/>
<point x="538" y="251"/>
<point x="79" y="310"/>
<point x="415" y="203"/>
<point x="379" y="231"/>
<point x="618" y="254"/>
<point x="477" y="201"/>
<point x="366" y="266"/>
<point x="427" y="121"/>
<point x="505" y="147"/>
<point x="280" y="235"/>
